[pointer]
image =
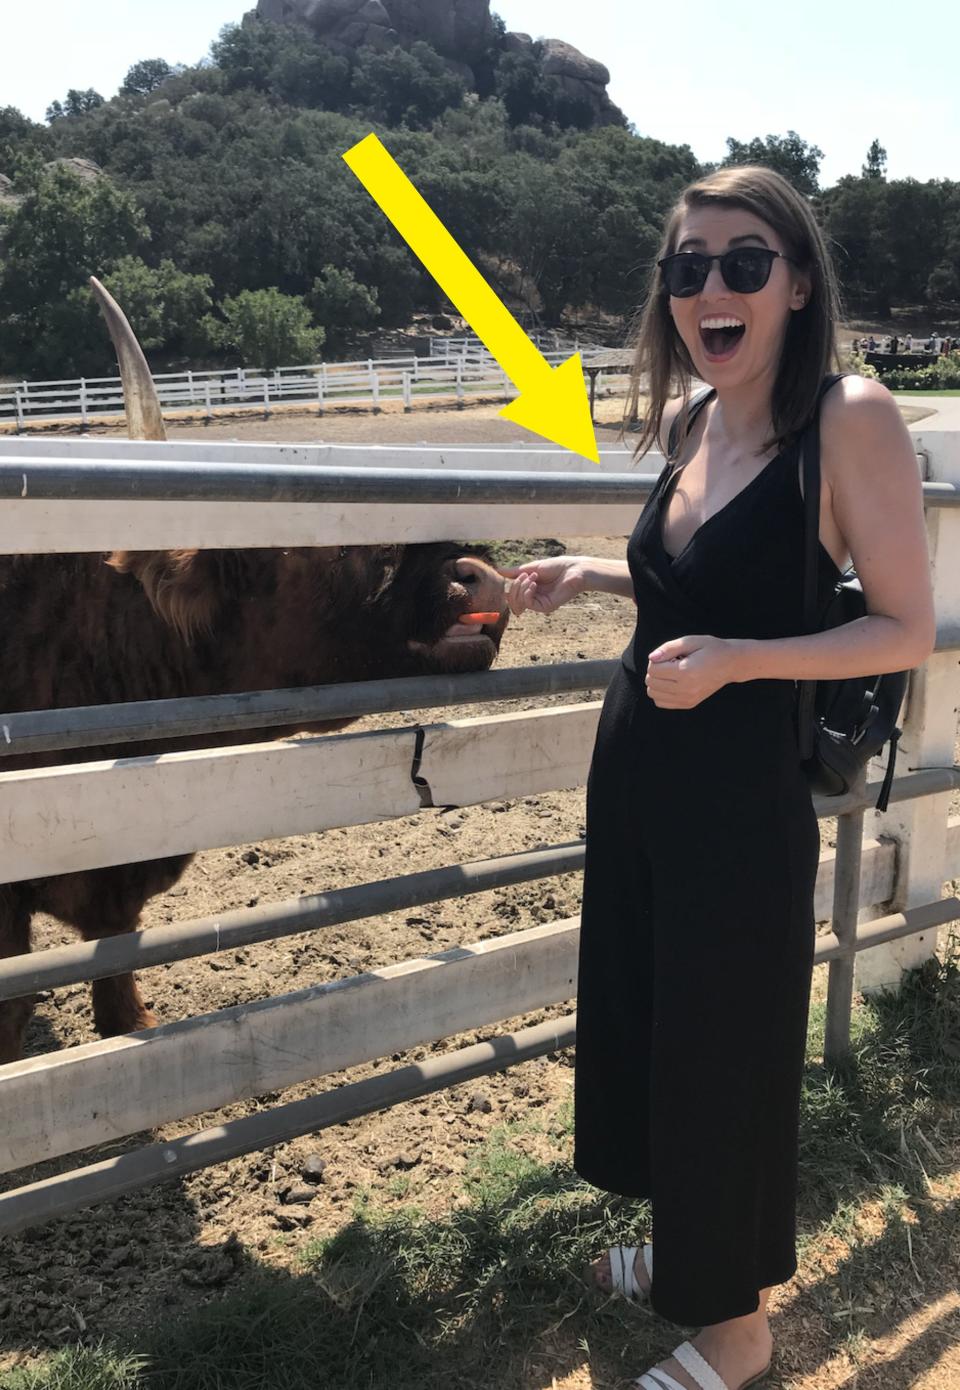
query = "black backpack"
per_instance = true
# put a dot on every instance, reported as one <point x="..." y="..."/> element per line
<point x="840" y="724"/>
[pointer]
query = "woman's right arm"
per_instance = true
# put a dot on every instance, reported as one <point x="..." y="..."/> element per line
<point x="543" y="585"/>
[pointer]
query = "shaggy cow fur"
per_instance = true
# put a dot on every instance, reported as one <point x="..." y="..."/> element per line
<point x="95" y="629"/>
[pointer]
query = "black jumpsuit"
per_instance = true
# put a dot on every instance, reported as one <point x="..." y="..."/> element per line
<point x="697" y="935"/>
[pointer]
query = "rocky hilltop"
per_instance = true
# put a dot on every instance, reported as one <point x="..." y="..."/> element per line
<point x="463" y="31"/>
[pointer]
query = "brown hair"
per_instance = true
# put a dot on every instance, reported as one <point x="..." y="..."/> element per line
<point x="810" y="346"/>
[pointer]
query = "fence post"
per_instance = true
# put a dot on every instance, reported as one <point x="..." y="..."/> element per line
<point x="190" y="387"/>
<point x="407" y="402"/>
<point x="83" y="404"/>
<point x="416" y="368"/>
<point x="846" y="914"/>
<point x="266" y="397"/>
<point x="459" y="383"/>
<point x="320" y="393"/>
<point x="241" y="383"/>
<point x="18" y="402"/>
<point x="209" y="415"/>
<point x="375" y="390"/>
<point x="929" y="734"/>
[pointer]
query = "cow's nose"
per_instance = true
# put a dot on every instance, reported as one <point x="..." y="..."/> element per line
<point x="487" y="588"/>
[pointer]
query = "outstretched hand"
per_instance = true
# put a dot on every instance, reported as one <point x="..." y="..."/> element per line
<point x="543" y="585"/>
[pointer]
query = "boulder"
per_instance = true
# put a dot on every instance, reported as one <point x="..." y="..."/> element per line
<point x="518" y="43"/>
<point x="350" y="22"/>
<point x="462" y="31"/>
<point x="457" y="29"/>
<point x="561" y="59"/>
<point x="580" y="77"/>
<point x="84" y="169"/>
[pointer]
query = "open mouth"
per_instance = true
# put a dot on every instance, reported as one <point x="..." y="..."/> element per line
<point x="721" y="337"/>
<point x="462" y="633"/>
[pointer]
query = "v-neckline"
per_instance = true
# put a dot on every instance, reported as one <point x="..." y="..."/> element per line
<point x="673" y="560"/>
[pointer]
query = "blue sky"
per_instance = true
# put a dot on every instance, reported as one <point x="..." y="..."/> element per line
<point x="839" y="73"/>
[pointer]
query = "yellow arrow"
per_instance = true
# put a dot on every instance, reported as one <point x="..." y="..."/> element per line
<point x="553" y="402"/>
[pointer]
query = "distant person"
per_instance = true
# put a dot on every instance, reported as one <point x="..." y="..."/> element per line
<point x="894" y="342"/>
<point x="872" y="343"/>
<point x="855" y="345"/>
<point x="908" y="343"/>
<point x="698" y="926"/>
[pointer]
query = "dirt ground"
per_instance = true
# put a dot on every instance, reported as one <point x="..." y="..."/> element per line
<point x="113" y="1266"/>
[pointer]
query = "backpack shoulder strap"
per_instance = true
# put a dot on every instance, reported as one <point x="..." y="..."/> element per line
<point x="810" y="453"/>
<point x="810" y="457"/>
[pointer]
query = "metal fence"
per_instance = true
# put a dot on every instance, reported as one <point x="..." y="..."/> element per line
<point x="87" y="815"/>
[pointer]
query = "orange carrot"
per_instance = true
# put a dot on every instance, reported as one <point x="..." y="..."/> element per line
<point x="479" y="617"/>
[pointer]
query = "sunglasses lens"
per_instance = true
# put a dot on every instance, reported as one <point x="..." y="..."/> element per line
<point x="748" y="269"/>
<point x="685" y="273"/>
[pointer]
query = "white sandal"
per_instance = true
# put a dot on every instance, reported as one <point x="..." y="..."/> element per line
<point x="622" y="1271"/>
<point x="698" y="1368"/>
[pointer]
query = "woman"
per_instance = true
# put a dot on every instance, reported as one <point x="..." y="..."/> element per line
<point x="697" y="933"/>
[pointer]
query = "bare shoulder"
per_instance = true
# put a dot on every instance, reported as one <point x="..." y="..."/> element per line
<point x="862" y="431"/>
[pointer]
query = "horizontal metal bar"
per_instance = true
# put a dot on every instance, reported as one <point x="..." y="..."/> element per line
<point x="175" y="1158"/>
<point x="921" y="782"/>
<point x="910" y="922"/>
<point x="46" y="731"/>
<point x="116" y="955"/>
<point x="107" y="480"/>
<point x="104" y="480"/>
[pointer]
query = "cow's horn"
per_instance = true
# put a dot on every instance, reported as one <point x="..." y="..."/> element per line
<point x="144" y="420"/>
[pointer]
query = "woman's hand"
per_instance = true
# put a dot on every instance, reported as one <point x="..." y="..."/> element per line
<point x="543" y="585"/>
<point x="684" y="672"/>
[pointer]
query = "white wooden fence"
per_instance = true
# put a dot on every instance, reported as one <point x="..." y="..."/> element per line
<point x="85" y="815"/>
<point x="463" y="370"/>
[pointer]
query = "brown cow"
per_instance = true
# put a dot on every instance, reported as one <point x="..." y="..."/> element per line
<point x="97" y="629"/>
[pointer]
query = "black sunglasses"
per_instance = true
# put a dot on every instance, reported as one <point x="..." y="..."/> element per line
<point x="745" y="269"/>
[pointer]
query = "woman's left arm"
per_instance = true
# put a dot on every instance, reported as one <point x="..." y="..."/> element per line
<point x="876" y="494"/>
<point x="871" y="468"/>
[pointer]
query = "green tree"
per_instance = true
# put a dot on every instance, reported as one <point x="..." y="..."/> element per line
<point x="342" y="305"/>
<point x="788" y="154"/>
<point x="146" y="76"/>
<point x="876" y="165"/>
<point x="167" y="308"/>
<point x="943" y="285"/>
<point x="856" y="219"/>
<point x="64" y="230"/>
<point x="265" y="328"/>
<point x="521" y="88"/>
<point x="75" y="104"/>
<point x="401" y="87"/>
